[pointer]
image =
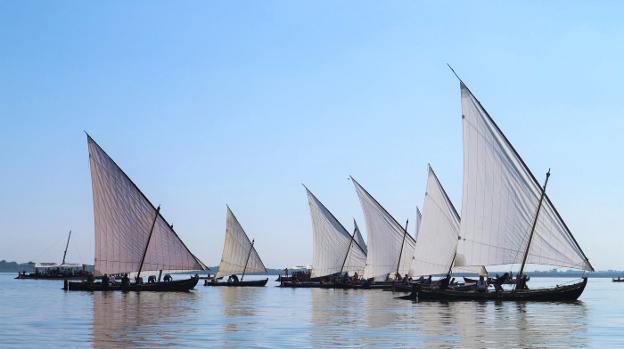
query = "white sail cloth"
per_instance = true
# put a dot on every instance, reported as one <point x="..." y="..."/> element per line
<point x="388" y="242"/>
<point x="500" y="202"/>
<point x="333" y="246"/>
<point x="123" y="218"/>
<point x="239" y="255"/>
<point x="360" y="240"/>
<point x="437" y="240"/>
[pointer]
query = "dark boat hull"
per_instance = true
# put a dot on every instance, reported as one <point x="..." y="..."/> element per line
<point x="566" y="293"/>
<point x="618" y="280"/>
<point x="169" y="286"/>
<point x="252" y="283"/>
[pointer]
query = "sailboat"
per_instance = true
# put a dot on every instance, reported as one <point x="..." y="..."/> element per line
<point x="239" y="256"/>
<point x="336" y="252"/>
<point x="436" y="243"/>
<point x="507" y="217"/>
<point x="131" y="235"/>
<point x="390" y="246"/>
<point x="55" y="271"/>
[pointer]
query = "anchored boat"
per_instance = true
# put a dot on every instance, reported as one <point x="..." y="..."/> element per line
<point x="507" y="218"/>
<point x="239" y="256"/>
<point x="55" y="271"/>
<point x="131" y="236"/>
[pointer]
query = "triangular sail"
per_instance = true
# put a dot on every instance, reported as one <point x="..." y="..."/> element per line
<point x="500" y="201"/>
<point x="332" y="244"/>
<point x="359" y="239"/>
<point x="238" y="250"/>
<point x="123" y="218"/>
<point x="437" y="240"/>
<point x="387" y="239"/>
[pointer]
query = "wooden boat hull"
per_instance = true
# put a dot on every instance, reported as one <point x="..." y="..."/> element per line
<point x="252" y="283"/>
<point x="169" y="286"/>
<point x="566" y="293"/>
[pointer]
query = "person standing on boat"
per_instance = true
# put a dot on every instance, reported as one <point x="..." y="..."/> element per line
<point x="125" y="280"/>
<point x="481" y="284"/>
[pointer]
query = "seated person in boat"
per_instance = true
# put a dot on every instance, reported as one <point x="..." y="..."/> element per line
<point x="233" y="278"/>
<point x="500" y="281"/>
<point x="151" y="279"/>
<point x="105" y="280"/>
<point x="406" y="279"/>
<point x="125" y="280"/>
<point x="90" y="279"/>
<point x="444" y="283"/>
<point x="397" y="277"/>
<point x="481" y="284"/>
<point x="167" y="278"/>
<point x="138" y="280"/>
<point x="521" y="282"/>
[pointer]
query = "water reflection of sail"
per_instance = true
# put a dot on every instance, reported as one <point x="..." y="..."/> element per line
<point x="519" y="324"/>
<point x="128" y="320"/>
<point x="332" y="312"/>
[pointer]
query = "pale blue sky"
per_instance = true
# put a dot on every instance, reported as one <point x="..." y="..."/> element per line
<point x="208" y="103"/>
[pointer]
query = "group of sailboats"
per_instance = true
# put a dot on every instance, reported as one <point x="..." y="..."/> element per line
<point x="133" y="239"/>
<point x="507" y="217"/>
<point x="507" y="220"/>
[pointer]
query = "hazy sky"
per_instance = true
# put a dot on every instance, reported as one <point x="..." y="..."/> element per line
<point x="208" y="103"/>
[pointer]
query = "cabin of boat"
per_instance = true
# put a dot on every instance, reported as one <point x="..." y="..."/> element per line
<point x="55" y="271"/>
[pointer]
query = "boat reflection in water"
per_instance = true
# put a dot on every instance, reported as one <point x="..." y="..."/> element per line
<point x="148" y="319"/>
<point x="365" y="318"/>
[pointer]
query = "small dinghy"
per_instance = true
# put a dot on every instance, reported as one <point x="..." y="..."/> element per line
<point x="239" y="256"/>
<point x="618" y="279"/>
<point x="131" y="236"/>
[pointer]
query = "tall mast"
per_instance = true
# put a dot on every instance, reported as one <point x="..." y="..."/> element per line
<point x="66" y="247"/>
<point x="402" y="244"/>
<point x="348" y="250"/>
<point x="539" y="206"/>
<point x="148" y="240"/>
<point x="247" y="261"/>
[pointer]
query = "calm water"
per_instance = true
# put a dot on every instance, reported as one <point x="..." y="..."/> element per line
<point x="39" y="314"/>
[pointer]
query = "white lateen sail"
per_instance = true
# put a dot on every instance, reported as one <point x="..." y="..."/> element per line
<point x="239" y="255"/>
<point x="389" y="244"/>
<point x="437" y="239"/>
<point x="123" y="218"/>
<point x="335" y="250"/>
<point x="500" y="202"/>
